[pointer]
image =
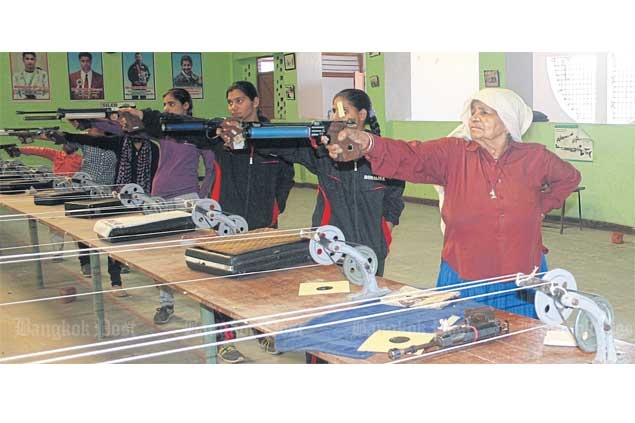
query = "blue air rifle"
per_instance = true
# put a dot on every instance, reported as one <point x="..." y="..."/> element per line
<point x="262" y="130"/>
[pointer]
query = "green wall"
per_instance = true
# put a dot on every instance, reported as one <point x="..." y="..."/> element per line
<point x="609" y="179"/>
<point x="217" y="70"/>
<point x="492" y="61"/>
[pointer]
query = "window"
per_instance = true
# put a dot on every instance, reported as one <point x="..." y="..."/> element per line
<point x="585" y="88"/>
<point x="621" y="88"/>
<point x="265" y="64"/>
<point x="573" y="82"/>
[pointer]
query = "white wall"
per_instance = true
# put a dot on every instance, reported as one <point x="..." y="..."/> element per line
<point x="397" y="86"/>
<point x="332" y="86"/>
<point x="309" y="89"/>
<point x="441" y="83"/>
<point x="427" y="86"/>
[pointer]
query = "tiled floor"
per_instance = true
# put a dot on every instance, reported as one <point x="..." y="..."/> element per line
<point x="598" y="265"/>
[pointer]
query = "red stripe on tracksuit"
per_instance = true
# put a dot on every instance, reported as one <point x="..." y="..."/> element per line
<point x="326" y="215"/>
<point x="215" y="194"/>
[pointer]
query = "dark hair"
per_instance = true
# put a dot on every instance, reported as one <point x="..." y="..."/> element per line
<point x="250" y="91"/>
<point x="183" y="96"/>
<point x="360" y="100"/>
<point x="186" y="57"/>
<point x="28" y="52"/>
<point x="83" y="54"/>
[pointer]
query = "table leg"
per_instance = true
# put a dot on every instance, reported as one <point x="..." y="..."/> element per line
<point x="579" y="210"/>
<point x="35" y="248"/>
<point x="98" y="298"/>
<point x="207" y="318"/>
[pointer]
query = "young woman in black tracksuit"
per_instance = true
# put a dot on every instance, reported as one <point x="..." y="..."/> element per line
<point x="363" y="206"/>
<point x="250" y="183"/>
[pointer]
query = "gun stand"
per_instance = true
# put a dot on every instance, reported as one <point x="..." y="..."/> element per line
<point x="593" y="328"/>
<point x="207" y="213"/>
<point x="327" y="246"/>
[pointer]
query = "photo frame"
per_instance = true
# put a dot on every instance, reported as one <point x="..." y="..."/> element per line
<point x="80" y="65"/>
<point x="491" y="78"/>
<point x="289" y="61"/>
<point x="187" y="73"/>
<point x="29" y="76"/>
<point x="374" y="81"/>
<point x="289" y="92"/>
<point x="138" y="76"/>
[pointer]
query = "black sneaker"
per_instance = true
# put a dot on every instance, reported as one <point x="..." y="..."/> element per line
<point x="229" y="354"/>
<point x="86" y="270"/>
<point x="163" y="315"/>
<point x="268" y="345"/>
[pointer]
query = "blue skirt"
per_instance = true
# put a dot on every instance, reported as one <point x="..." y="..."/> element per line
<point x="513" y="302"/>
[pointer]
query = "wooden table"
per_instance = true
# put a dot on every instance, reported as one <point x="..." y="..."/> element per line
<point x="263" y="294"/>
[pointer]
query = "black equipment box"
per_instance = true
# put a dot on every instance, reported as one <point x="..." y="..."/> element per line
<point x="251" y="255"/>
<point x="102" y="207"/>
<point x="131" y="228"/>
<point x="16" y="186"/>
<point x="53" y="197"/>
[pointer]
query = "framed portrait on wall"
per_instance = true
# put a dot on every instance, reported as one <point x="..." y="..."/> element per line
<point x="30" y="76"/>
<point x="289" y="91"/>
<point x="138" y="76"/>
<point x="289" y="61"/>
<point x="85" y="76"/>
<point x="491" y="78"/>
<point x="187" y="73"/>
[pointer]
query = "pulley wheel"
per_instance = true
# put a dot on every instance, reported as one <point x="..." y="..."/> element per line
<point x="82" y="178"/>
<point x="155" y="205"/>
<point x="241" y="223"/>
<point x="43" y="174"/>
<point x="130" y="195"/>
<point x="547" y="309"/>
<point x="226" y="229"/>
<point x="584" y="331"/>
<point x="200" y="212"/>
<point x="318" y="252"/>
<point x="352" y="269"/>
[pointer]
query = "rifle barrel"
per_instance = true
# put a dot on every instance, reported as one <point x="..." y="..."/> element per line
<point x="34" y="112"/>
<point x="51" y="117"/>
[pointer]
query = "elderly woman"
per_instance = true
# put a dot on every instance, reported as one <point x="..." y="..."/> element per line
<point x="494" y="201"/>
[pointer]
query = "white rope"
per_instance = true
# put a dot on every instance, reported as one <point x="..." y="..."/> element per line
<point x="152" y="245"/>
<point x="246" y="323"/>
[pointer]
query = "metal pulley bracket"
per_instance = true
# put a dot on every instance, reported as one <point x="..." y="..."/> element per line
<point x="131" y="196"/>
<point x="548" y="308"/>
<point x="360" y="263"/>
<point x="353" y="269"/>
<point x="325" y="235"/>
<point x="583" y="329"/>
<point x="208" y="214"/>
<point x="556" y="300"/>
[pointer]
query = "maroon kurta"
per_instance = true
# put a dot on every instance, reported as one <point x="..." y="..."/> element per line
<point x="493" y="208"/>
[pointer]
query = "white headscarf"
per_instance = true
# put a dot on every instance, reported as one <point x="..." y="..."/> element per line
<point x="511" y="109"/>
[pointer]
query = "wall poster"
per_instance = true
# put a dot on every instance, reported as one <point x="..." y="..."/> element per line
<point x="29" y="76"/>
<point x="85" y="76"/>
<point x="572" y="143"/>
<point x="187" y="73"/>
<point x="138" y="76"/>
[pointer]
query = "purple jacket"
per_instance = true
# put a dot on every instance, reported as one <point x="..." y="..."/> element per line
<point x="177" y="173"/>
